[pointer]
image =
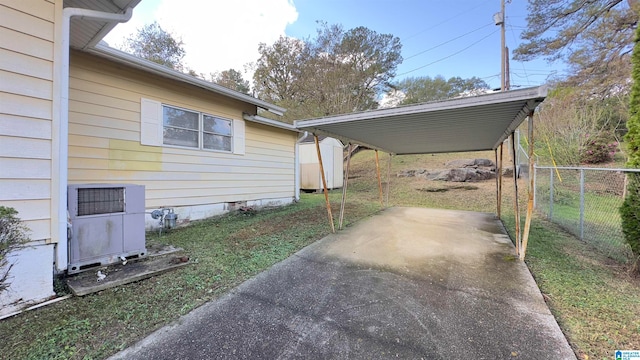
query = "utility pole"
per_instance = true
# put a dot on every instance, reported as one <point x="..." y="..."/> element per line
<point x="504" y="48"/>
<point x="499" y="19"/>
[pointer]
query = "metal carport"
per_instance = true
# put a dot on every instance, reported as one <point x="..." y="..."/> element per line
<point x="475" y="123"/>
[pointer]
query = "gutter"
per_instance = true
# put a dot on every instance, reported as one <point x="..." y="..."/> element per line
<point x="61" y="255"/>
<point x="296" y="171"/>
<point x="266" y="121"/>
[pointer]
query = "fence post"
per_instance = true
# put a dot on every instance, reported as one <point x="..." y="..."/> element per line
<point x="582" y="204"/>
<point x="551" y="194"/>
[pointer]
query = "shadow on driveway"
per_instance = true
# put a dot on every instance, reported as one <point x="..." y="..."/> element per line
<point x="408" y="283"/>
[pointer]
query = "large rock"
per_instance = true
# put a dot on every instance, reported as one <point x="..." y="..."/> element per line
<point x="470" y="163"/>
<point x="460" y="175"/>
<point x="411" y="173"/>
<point x="437" y="175"/>
<point x="461" y="170"/>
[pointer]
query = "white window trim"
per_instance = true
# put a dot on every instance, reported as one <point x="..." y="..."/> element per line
<point x="152" y="128"/>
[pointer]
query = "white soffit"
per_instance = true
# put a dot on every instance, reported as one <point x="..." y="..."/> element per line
<point x="462" y="124"/>
<point x="87" y="33"/>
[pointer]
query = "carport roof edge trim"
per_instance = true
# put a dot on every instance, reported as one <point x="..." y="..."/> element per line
<point x="462" y="102"/>
<point x="452" y="108"/>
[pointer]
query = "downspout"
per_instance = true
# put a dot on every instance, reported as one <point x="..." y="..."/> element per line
<point x="62" y="258"/>
<point x="296" y="171"/>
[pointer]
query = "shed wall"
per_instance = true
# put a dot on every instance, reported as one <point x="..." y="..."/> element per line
<point x="310" y="177"/>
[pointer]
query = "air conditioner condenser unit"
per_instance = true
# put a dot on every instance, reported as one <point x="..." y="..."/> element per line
<point x="107" y="224"/>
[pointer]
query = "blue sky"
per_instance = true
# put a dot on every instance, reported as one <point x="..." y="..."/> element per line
<point x="448" y="38"/>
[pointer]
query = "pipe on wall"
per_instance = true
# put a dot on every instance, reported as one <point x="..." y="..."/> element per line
<point x="296" y="171"/>
<point x="61" y="255"/>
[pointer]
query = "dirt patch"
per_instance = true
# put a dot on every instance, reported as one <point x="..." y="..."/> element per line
<point x="254" y="235"/>
<point x="248" y="237"/>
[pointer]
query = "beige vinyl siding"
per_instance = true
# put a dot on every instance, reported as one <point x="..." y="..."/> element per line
<point x="104" y="141"/>
<point x="26" y="93"/>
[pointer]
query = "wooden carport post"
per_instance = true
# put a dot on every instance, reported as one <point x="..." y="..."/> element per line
<point x="388" y="181"/>
<point x="498" y="171"/>
<point x="379" y="180"/>
<point x="515" y="187"/>
<point x="344" y="188"/>
<point x="324" y="184"/>
<point x="501" y="159"/>
<point x="527" y="223"/>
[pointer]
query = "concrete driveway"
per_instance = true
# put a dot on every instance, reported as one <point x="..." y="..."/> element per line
<point x="408" y="283"/>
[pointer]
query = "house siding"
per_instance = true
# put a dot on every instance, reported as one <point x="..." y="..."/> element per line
<point x="27" y="36"/>
<point x="104" y="142"/>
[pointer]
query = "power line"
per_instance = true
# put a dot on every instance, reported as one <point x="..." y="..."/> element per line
<point x="448" y="56"/>
<point x="490" y="76"/>
<point x="526" y="76"/>
<point x="444" y="21"/>
<point x="448" y="41"/>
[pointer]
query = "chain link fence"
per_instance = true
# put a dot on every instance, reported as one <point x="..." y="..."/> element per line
<point x="585" y="202"/>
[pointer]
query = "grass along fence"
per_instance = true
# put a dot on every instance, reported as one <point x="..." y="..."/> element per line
<point x="585" y="202"/>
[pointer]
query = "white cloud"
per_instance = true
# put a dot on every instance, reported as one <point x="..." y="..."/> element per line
<point x="217" y="34"/>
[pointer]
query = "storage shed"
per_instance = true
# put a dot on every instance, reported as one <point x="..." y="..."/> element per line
<point x="332" y="158"/>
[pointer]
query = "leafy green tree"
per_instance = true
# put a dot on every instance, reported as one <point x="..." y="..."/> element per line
<point x="233" y="80"/>
<point x="277" y="72"/>
<point x="630" y="210"/>
<point x="595" y="37"/>
<point x="336" y="72"/>
<point x="13" y="234"/>
<point x="425" y="88"/>
<point x="352" y="67"/>
<point x="153" y="43"/>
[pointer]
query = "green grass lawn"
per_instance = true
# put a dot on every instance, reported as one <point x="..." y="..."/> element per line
<point x="596" y="303"/>
<point x="601" y="217"/>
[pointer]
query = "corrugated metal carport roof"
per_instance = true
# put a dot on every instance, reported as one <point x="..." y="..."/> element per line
<point x="463" y="124"/>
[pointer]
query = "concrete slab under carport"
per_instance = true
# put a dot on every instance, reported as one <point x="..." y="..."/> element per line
<point x="407" y="283"/>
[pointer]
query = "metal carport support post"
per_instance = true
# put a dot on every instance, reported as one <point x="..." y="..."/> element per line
<point x="324" y="184"/>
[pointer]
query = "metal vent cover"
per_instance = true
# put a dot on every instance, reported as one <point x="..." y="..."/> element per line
<point x="94" y="201"/>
